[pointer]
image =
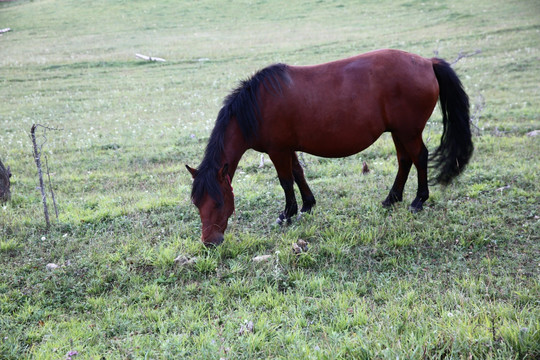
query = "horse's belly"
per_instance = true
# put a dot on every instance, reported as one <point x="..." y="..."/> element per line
<point x="326" y="131"/>
<point x="336" y="145"/>
<point x="335" y="125"/>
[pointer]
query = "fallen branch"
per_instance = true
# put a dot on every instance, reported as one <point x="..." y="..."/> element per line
<point x="462" y="55"/>
<point x="149" y="58"/>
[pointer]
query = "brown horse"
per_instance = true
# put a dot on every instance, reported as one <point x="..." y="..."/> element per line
<point x="335" y="109"/>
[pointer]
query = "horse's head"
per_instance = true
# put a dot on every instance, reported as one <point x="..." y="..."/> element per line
<point x="5" y="174"/>
<point x="215" y="200"/>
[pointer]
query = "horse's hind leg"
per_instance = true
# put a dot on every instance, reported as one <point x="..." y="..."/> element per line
<point x="412" y="151"/>
<point x="421" y="163"/>
<point x="308" y="200"/>
<point x="404" y="162"/>
<point x="283" y="162"/>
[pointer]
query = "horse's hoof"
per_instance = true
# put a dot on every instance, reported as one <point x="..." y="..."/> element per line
<point x="416" y="205"/>
<point x="387" y="204"/>
<point x="282" y="220"/>
<point x="306" y="209"/>
<point x="390" y="200"/>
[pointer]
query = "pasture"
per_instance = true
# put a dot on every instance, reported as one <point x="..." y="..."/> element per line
<point x="460" y="280"/>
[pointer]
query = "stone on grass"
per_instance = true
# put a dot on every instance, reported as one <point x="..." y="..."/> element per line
<point x="52" y="266"/>
<point x="183" y="260"/>
<point x="261" y="258"/>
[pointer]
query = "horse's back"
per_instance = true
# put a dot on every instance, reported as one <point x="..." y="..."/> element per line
<point x="340" y="108"/>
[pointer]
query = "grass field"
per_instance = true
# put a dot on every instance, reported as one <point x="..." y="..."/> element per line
<point x="459" y="280"/>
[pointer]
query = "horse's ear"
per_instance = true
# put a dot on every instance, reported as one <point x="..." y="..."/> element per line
<point x="224" y="172"/>
<point x="192" y="171"/>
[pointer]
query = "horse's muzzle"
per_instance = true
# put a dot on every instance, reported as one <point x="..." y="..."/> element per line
<point x="213" y="241"/>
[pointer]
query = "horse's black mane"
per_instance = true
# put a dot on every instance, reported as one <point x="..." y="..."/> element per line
<point x="242" y="103"/>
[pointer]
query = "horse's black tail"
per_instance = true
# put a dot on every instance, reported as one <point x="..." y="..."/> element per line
<point x="456" y="146"/>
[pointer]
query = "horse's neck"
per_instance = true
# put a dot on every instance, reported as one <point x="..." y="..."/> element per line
<point x="234" y="148"/>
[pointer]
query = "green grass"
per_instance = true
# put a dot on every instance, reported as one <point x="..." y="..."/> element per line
<point x="459" y="280"/>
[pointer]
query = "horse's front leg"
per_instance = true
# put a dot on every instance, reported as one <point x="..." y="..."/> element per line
<point x="308" y="200"/>
<point x="291" y="207"/>
<point x="283" y="164"/>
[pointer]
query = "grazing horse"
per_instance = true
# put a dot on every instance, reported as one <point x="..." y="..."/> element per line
<point x="333" y="110"/>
